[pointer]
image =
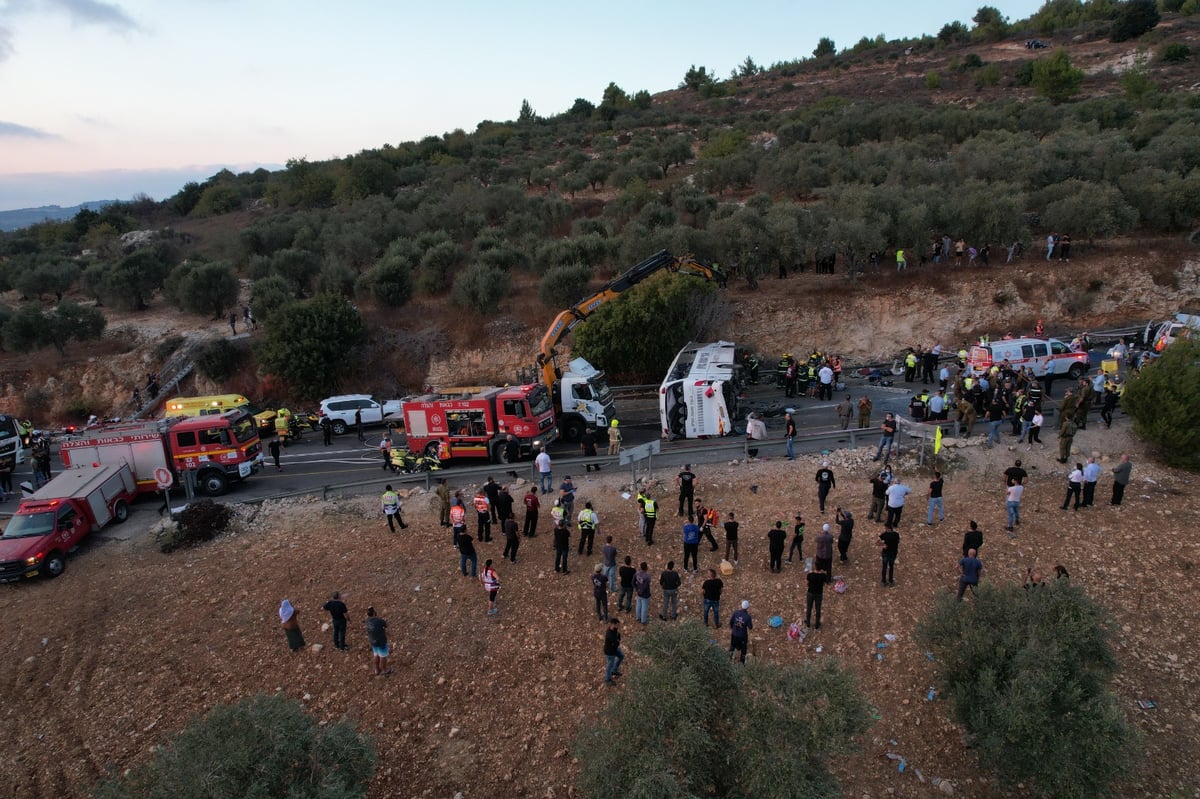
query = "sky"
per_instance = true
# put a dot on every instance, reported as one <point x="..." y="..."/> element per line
<point x="104" y="100"/>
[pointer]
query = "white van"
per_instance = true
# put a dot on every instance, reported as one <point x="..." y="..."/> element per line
<point x="1044" y="357"/>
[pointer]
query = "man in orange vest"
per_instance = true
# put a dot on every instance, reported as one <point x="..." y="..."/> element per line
<point x="483" y="511"/>
<point x="458" y="517"/>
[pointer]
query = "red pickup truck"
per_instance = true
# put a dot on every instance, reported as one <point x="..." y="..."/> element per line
<point x="59" y="515"/>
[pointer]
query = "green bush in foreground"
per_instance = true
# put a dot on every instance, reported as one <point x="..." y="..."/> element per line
<point x="1163" y="398"/>
<point x="1027" y="673"/>
<point x="264" y="746"/>
<point x="691" y="723"/>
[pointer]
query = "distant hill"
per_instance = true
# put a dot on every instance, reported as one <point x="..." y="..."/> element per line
<point x="24" y="217"/>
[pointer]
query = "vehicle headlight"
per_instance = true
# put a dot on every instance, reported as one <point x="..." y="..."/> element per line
<point x="35" y="560"/>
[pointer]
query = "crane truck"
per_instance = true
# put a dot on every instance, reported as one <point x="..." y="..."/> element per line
<point x="581" y="394"/>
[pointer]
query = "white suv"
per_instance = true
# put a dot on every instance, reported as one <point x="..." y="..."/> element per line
<point x="340" y="411"/>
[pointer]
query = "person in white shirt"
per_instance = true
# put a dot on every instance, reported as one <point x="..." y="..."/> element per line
<point x="896" y="493"/>
<point x="1012" y="501"/>
<point x="1074" y="486"/>
<point x="542" y="461"/>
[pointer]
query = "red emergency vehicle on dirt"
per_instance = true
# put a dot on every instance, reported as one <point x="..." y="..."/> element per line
<point x="219" y="449"/>
<point x="59" y="515"/>
<point x="475" y="422"/>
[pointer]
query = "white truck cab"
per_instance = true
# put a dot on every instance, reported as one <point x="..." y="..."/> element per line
<point x="585" y="400"/>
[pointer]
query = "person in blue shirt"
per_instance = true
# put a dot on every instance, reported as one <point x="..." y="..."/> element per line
<point x="969" y="569"/>
<point x="1091" y="474"/>
<point x="691" y="543"/>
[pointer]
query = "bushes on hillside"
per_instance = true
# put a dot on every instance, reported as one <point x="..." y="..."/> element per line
<point x="1163" y="398"/>
<point x="692" y="723"/>
<point x="1027" y="672"/>
<point x="202" y="520"/>
<point x="263" y="746"/>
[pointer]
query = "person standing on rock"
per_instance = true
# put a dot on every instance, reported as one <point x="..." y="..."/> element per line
<point x="669" y="582"/>
<point x="377" y="638"/>
<point x="797" y="547"/>
<point x="337" y="619"/>
<point x="887" y="434"/>
<point x="710" y="590"/>
<point x="289" y="617"/>
<point x="691" y="543"/>
<point x="1012" y="503"/>
<point x="1121" y="479"/>
<point x="816" y="580"/>
<point x="588" y="521"/>
<point x="825" y="481"/>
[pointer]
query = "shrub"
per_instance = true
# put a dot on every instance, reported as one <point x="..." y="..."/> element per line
<point x="933" y="80"/>
<point x="202" y="520"/>
<point x="167" y="347"/>
<point x="763" y="731"/>
<point x="1162" y="399"/>
<point x="564" y="285"/>
<point x="219" y="359"/>
<point x="1174" y="53"/>
<point x="480" y="287"/>
<point x="1133" y="18"/>
<point x="1027" y="672"/>
<point x="988" y="76"/>
<point x="261" y="746"/>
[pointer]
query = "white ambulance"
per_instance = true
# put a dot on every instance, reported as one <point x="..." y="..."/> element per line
<point x="1044" y="357"/>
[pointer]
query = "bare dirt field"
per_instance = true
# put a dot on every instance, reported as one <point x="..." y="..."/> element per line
<point x="109" y="660"/>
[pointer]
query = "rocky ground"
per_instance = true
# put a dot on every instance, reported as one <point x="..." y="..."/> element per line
<point x="104" y="663"/>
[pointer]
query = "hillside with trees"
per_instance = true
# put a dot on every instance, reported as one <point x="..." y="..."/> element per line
<point x="836" y="158"/>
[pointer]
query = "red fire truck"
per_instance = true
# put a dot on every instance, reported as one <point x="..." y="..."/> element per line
<point x="474" y="422"/>
<point x="219" y="449"/>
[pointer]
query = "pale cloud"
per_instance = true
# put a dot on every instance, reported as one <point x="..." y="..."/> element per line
<point x="94" y="12"/>
<point x="6" y="45"/>
<point x="15" y="131"/>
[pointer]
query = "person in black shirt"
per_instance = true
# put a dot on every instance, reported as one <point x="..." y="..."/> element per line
<point x="936" y="503"/>
<point x="512" y="538"/>
<point x="711" y="591"/>
<point x="612" y="651"/>
<point x="669" y="582"/>
<point x="816" y="593"/>
<point x="845" y="521"/>
<point x="777" y="538"/>
<point x="491" y="490"/>
<point x="466" y="552"/>
<point x="337" y="615"/>
<point x="587" y="445"/>
<point x="562" y="547"/>
<point x="1015" y="475"/>
<point x="731" y="538"/>
<point x="502" y="505"/>
<point x="889" y="541"/>
<point x="686" y="480"/>
<point x="825" y="481"/>
<point x="972" y="539"/>
<point x="512" y="449"/>
<point x="625" y="579"/>
<point x="377" y="638"/>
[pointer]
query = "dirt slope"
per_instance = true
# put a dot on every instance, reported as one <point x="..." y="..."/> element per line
<point x="104" y="663"/>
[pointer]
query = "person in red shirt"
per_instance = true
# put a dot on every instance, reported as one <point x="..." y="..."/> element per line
<point x="532" y="504"/>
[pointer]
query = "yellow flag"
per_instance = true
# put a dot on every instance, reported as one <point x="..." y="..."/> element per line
<point x="937" y="440"/>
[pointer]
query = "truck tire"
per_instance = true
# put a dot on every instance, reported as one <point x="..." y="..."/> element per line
<point x="54" y="565"/>
<point x="213" y="483"/>
<point x="1076" y="371"/>
<point x="339" y="427"/>
<point x="573" y="428"/>
<point x="120" y="511"/>
<point x="431" y="449"/>
<point x="498" y="452"/>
